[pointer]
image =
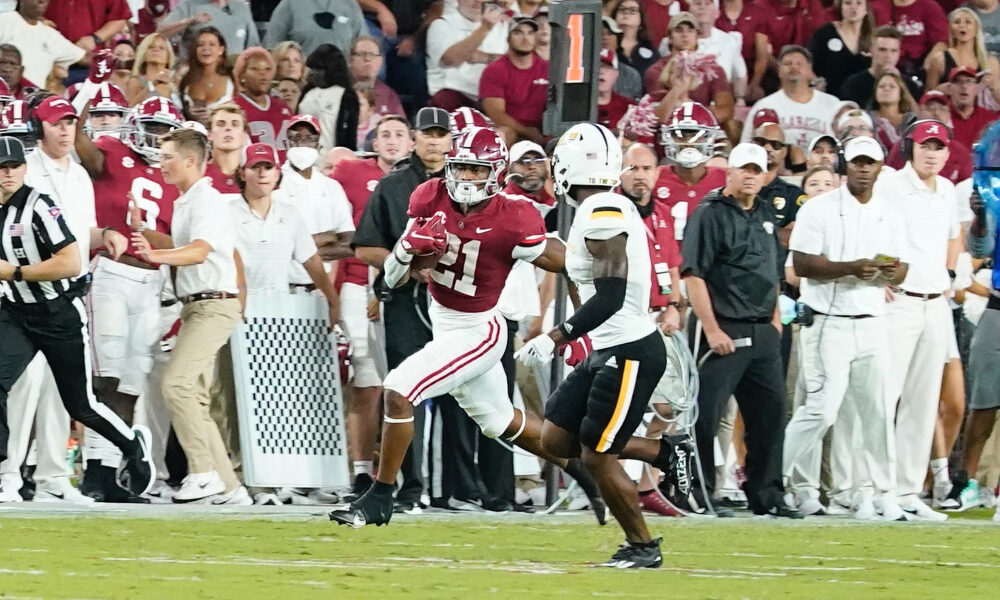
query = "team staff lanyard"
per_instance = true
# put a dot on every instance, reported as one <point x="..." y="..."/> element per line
<point x="660" y="267"/>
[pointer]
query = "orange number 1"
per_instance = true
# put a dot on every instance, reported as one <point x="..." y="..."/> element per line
<point x="575" y="70"/>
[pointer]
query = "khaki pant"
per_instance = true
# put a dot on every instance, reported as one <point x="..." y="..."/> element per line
<point x="206" y="326"/>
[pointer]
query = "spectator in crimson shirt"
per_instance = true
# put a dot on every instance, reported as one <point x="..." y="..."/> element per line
<point x="89" y="23"/>
<point x="658" y="13"/>
<point x="958" y="168"/>
<point x="749" y="20"/>
<point x="366" y="62"/>
<point x="792" y="21"/>
<point x="686" y="75"/>
<point x="12" y="72"/>
<point x="925" y="31"/>
<point x="611" y="107"/>
<point x="968" y="118"/>
<point x="513" y="88"/>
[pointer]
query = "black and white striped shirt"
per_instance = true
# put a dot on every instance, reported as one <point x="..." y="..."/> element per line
<point x="33" y="231"/>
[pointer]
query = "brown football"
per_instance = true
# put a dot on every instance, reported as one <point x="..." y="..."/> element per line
<point x="424" y="261"/>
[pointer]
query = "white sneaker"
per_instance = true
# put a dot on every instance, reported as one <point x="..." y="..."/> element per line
<point x="299" y="497"/>
<point x="889" y="510"/>
<point x="324" y="496"/>
<point x="940" y="495"/>
<point x="811" y="506"/>
<point x="236" y="497"/>
<point x="864" y="511"/>
<point x="199" y="485"/>
<point x="915" y="510"/>
<point x="9" y="489"/>
<point x="60" y="491"/>
<point x="267" y="499"/>
<point x="160" y="493"/>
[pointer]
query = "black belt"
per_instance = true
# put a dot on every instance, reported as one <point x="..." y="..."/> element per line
<point x="168" y="303"/>
<point x="309" y="287"/>
<point x="758" y="321"/>
<point x="844" y="316"/>
<point x="924" y="297"/>
<point x="207" y="296"/>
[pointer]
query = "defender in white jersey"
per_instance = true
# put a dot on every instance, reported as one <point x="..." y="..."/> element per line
<point x="595" y="411"/>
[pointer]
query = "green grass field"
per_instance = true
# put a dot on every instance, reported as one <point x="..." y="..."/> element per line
<point x="180" y="555"/>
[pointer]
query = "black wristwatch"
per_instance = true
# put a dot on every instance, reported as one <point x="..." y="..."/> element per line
<point x="951" y="273"/>
<point x="676" y="305"/>
<point x="18" y="276"/>
<point x="97" y="39"/>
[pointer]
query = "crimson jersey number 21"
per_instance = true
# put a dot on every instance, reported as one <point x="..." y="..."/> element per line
<point x="463" y="282"/>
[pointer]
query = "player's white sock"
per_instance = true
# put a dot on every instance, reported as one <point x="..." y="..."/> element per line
<point x="96" y="447"/>
<point x="363" y="466"/>
<point x="939" y="468"/>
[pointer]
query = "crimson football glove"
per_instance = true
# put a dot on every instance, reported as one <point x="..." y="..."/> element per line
<point x="576" y="351"/>
<point x="427" y="236"/>
<point x="102" y="64"/>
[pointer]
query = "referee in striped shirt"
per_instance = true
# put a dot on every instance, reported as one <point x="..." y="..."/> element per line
<point x="39" y="313"/>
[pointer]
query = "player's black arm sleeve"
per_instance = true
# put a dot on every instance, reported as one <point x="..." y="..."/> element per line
<point x="610" y="275"/>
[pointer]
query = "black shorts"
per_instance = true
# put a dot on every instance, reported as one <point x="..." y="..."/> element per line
<point x="605" y="396"/>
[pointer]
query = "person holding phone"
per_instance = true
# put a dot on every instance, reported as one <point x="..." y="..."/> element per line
<point x="845" y="247"/>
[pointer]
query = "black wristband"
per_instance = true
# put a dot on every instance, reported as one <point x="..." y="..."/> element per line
<point x="18" y="275"/>
<point x="951" y="273"/>
<point x="676" y="305"/>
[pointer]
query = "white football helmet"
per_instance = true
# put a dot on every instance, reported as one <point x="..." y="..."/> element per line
<point x="689" y="136"/>
<point x="587" y="154"/>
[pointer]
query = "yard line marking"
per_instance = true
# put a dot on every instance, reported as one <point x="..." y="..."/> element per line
<point x="21" y="572"/>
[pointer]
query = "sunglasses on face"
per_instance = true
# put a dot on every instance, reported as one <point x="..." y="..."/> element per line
<point x="774" y="144"/>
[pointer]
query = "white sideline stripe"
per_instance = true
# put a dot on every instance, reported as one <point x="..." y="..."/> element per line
<point x="21" y="572"/>
<point x="530" y="568"/>
<point x="893" y="561"/>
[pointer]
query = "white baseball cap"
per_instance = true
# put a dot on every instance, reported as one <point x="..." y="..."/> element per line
<point x="852" y="115"/>
<point x="523" y="147"/>
<point x="748" y="154"/>
<point x="863" y="145"/>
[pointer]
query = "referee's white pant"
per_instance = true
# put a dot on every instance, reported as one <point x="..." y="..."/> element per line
<point x="843" y="368"/>
<point x="920" y="340"/>
<point x="35" y="399"/>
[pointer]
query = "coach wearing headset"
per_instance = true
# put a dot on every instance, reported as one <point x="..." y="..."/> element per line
<point x="921" y="330"/>
<point x="846" y="247"/>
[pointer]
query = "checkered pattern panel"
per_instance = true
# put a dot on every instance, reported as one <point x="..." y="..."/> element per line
<point x="294" y="394"/>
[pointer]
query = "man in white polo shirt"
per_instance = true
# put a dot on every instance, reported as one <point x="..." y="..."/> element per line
<point x="271" y="234"/>
<point x="322" y="202"/>
<point x="921" y="330"/>
<point x="202" y="246"/>
<point x="837" y="243"/>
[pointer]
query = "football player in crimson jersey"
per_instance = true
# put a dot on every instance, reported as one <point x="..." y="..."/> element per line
<point x="125" y="294"/>
<point x="227" y="132"/>
<point x="15" y="122"/>
<point x="266" y="114"/>
<point x="359" y="177"/>
<point x="107" y="111"/>
<point x="688" y="139"/>
<point x="481" y="233"/>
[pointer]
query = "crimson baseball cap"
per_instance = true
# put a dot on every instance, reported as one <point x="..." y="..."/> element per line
<point x="254" y="154"/>
<point x="935" y="96"/>
<point x="608" y="57"/>
<point x="930" y="130"/>
<point x="304" y="119"/>
<point x="960" y="71"/>
<point x="53" y="109"/>
<point x="765" y="116"/>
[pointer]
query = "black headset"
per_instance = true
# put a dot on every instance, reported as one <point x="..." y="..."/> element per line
<point x="906" y="146"/>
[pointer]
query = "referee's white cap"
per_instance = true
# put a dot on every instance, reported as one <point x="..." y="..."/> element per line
<point x="863" y="145"/>
<point x="11" y="150"/>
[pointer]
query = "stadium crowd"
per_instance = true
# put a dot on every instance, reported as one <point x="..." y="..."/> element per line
<point x="203" y="150"/>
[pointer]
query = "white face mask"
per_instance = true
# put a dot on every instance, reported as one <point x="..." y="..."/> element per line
<point x="302" y="157"/>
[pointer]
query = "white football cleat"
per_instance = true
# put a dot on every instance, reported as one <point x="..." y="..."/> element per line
<point x="237" y="497"/>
